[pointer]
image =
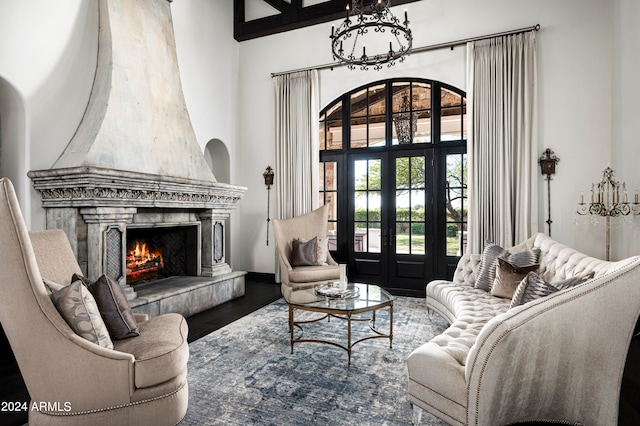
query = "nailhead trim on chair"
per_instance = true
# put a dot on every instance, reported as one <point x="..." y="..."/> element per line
<point x="117" y="407"/>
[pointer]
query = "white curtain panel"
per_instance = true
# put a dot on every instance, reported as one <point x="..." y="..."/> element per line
<point x="297" y="110"/>
<point x="502" y="140"/>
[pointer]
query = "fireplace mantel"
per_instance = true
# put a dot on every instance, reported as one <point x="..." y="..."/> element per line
<point x="94" y="186"/>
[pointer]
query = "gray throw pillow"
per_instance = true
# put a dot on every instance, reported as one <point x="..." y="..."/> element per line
<point x="78" y="308"/>
<point x="304" y="253"/>
<point x="487" y="272"/>
<point x="114" y="306"/>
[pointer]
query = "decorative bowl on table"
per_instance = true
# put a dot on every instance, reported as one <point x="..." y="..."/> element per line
<point x="334" y="291"/>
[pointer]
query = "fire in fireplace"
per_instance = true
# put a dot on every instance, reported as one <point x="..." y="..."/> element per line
<point x="143" y="264"/>
<point x="160" y="252"/>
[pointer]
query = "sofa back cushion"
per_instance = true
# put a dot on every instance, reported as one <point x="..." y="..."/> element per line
<point x="559" y="262"/>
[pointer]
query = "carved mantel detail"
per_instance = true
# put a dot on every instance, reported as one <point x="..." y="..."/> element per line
<point x="92" y="186"/>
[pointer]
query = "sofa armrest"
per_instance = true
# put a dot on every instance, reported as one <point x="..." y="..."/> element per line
<point x="557" y="358"/>
<point x="467" y="269"/>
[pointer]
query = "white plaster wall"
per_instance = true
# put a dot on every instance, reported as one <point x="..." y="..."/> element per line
<point x="208" y="58"/>
<point x="575" y="93"/>
<point x="48" y="52"/>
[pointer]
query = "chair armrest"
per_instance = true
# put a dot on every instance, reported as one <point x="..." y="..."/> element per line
<point x="140" y="317"/>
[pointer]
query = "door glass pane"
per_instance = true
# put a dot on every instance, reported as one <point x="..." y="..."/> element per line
<point x="358" y="132"/>
<point x="377" y="131"/>
<point x="374" y="237"/>
<point x="456" y="204"/>
<point x="367" y="205"/>
<point x="410" y="205"/>
<point x="451" y="118"/>
<point x="377" y="100"/>
<point x="334" y="135"/>
<point x="328" y="194"/>
<point x="332" y="236"/>
<point x="423" y="128"/>
<point x="359" y="103"/>
<point x="402" y="173"/>
<point x="417" y="172"/>
<point x="417" y="238"/>
<point x="403" y="238"/>
<point x="417" y="206"/>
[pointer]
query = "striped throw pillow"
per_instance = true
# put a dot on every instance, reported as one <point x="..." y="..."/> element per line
<point x="533" y="287"/>
<point x="487" y="272"/>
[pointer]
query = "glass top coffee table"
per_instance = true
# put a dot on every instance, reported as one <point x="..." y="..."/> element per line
<point x="370" y="298"/>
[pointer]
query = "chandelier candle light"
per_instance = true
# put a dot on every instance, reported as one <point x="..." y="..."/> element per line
<point x="606" y="201"/>
<point x="370" y="20"/>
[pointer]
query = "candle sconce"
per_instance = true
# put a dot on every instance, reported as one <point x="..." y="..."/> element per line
<point x="608" y="199"/>
<point x="268" y="181"/>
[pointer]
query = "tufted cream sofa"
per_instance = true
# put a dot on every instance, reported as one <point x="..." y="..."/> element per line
<point x="558" y="358"/>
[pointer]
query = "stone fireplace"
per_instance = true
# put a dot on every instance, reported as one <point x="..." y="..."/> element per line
<point x="134" y="169"/>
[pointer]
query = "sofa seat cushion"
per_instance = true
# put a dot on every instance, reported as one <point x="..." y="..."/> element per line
<point x="303" y="274"/>
<point x="161" y="350"/>
<point x="472" y="308"/>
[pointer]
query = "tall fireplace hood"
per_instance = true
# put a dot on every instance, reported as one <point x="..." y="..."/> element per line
<point x="137" y="119"/>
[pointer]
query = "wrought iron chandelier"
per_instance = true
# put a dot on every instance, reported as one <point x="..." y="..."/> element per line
<point x="371" y="20"/>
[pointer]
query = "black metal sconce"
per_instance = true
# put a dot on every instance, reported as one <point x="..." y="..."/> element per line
<point x="268" y="181"/>
<point x="548" y="167"/>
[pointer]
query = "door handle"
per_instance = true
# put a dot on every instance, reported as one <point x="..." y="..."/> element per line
<point x="385" y="238"/>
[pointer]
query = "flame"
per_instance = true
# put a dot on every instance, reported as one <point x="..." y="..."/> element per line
<point x="140" y="256"/>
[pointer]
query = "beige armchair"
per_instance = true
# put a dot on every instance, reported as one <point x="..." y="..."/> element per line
<point x="72" y="381"/>
<point x="298" y="282"/>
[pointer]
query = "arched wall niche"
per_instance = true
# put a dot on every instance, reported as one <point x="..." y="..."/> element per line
<point x="217" y="157"/>
<point x="14" y="143"/>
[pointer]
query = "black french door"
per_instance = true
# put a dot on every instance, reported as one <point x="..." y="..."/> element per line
<point x="391" y="218"/>
<point x="393" y="170"/>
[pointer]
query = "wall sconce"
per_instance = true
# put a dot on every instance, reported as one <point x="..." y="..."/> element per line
<point x="548" y="167"/>
<point x="268" y="181"/>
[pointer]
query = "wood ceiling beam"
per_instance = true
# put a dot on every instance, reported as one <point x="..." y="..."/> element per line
<point x="292" y="16"/>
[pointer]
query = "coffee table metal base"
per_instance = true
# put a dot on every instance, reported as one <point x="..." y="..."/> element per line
<point x="342" y="315"/>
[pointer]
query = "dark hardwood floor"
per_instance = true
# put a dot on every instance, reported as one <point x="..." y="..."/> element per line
<point x="260" y="290"/>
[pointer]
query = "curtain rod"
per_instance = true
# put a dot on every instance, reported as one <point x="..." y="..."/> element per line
<point x="450" y="44"/>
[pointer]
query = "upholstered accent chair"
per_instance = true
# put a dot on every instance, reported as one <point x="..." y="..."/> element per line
<point x="141" y="381"/>
<point x="297" y="282"/>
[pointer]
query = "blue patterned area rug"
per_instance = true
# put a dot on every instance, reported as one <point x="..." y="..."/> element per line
<point x="245" y="374"/>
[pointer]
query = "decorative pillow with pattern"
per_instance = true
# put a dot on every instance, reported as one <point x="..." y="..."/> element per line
<point x="322" y="251"/>
<point x="508" y="277"/>
<point x="533" y="287"/>
<point x="304" y="253"/>
<point x="487" y="271"/>
<point x="79" y="309"/>
<point x="114" y="306"/>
